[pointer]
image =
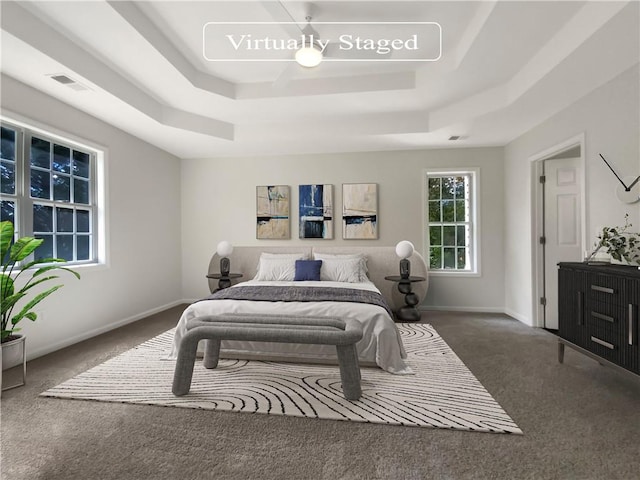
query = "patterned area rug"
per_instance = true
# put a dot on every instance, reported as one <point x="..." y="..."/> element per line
<point x="442" y="394"/>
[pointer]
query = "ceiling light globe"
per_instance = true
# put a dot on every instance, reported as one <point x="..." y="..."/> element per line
<point x="309" y="56"/>
<point x="404" y="249"/>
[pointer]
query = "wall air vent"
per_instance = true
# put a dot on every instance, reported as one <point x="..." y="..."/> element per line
<point x="68" y="81"/>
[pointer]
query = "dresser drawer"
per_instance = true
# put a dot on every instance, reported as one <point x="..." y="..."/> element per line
<point x="607" y="332"/>
<point x="606" y="348"/>
<point x="604" y="315"/>
<point x="606" y="288"/>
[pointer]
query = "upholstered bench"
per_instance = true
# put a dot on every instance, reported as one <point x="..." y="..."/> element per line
<point x="343" y="333"/>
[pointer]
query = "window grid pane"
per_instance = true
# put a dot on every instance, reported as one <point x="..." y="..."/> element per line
<point x="45" y="250"/>
<point x="64" y="247"/>
<point x="40" y="153"/>
<point x="40" y="184"/>
<point x="8" y="177"/>
<point x="434" y="188"/>
<point x="449" y="219"/>
<point x="83" y="247"/>
<point x="435" y="257"/>
<point x="7" y="144"/>
<point x="61" y="159"/>
<point x="51" y="171"/>
<point x="7" y="211"/>
<point x="56" y="183"/>
<point x="42" y="218"/>
<point x="81" y="166"/>
<point x="61" y="179"/>
<point x="62" y="228"/>
<point x="61" y="187"/>
<point x="81" y="191"/>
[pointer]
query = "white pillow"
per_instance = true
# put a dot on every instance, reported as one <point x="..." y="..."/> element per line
<point x="342" y="268"/>
<point x="361" y="256"/>
<point x="297" y="256"/>
<point x="274" y="267"/>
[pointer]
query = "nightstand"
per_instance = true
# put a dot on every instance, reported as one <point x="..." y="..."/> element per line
<point x="224" y="281"/>
<point x="409" y="312"/>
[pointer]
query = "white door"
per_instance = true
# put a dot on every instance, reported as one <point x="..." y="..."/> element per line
<point x="562" y="226"/>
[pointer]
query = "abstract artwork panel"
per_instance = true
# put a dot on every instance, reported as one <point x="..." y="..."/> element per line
<point x="272" y="212"/>
<point x="360" y="211"/>
<point x="316" y="211"/>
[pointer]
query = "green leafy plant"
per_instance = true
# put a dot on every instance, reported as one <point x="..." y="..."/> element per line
<point x="619" y="242"/>
<point x="12" y="254"/>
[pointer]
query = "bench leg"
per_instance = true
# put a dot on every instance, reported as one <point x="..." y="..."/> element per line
<point x="349" y="371"/>
<point x="211" y="353"/>
<point x="183" y="373"/>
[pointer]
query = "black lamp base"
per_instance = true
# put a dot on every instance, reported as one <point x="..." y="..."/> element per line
<point x="225" y="266"/>
<point x="408" y="314"/>
<point x="405" y="268"/>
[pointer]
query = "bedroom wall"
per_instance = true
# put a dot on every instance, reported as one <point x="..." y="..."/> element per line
<point x="143" y="215"/>
<point x="218" y="203"/>
<point x="609" y="117"/>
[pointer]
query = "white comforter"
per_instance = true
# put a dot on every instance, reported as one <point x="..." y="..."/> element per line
<point x="381" y="343"/>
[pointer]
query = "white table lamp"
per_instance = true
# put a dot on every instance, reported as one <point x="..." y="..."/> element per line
<point x="224" y="249"/>
<point x="404" y="250"/>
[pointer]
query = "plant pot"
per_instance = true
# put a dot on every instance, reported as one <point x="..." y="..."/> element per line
<point x="14" y="354"/>
<point x="623" y="261"/>
<point x="598" y="257"/>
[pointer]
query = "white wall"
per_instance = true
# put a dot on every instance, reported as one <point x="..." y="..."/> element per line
<point x="218" y="203"/>
<point x="143" y="212"/>
<point x="609" y="117"/>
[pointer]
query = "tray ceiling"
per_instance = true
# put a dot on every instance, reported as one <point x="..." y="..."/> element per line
<point x="505" y="67"/>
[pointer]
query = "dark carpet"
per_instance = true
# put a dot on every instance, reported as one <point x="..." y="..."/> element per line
<point x="581" y="421"/>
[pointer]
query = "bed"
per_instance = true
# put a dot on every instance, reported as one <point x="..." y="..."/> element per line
<point x="365" y="296"/>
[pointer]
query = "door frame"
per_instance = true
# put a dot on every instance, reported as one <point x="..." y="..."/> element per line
<point x="537" y="218"/>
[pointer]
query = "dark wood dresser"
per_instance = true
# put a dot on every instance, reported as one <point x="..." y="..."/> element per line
<point x="598" y="309"/>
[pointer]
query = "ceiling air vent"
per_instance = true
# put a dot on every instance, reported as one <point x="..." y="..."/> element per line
<point x="62" y="79"/>
<point x="454" y="137"/>
<point x="69" y="82"/>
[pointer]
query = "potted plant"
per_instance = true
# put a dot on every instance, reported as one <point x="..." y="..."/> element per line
<point x="619" y="243"/>
<point x="18" y="296"/>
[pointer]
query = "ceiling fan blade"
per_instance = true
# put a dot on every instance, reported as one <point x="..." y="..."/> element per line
<point x="286" y="75"/>
<point x="282" y="16"/>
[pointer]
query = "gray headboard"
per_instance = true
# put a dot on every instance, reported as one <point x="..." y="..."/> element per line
<point x="381" y="262"/>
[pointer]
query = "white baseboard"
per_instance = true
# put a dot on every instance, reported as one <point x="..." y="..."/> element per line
<point x="426" y="308"/>
<point x="518" y="316"/>
<point x="31" y="354"/>
<point x="505" y="311"/>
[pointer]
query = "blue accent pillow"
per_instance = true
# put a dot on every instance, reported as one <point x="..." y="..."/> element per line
<point x="307" y="270"/>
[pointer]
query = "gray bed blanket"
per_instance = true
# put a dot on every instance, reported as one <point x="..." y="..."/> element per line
<point x="277" y="293"/>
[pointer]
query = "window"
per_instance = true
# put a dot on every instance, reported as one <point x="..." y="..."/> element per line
<point x="450" y="213"/>
<point x="48" y="191"/>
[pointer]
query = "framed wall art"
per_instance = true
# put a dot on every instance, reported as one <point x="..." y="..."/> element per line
<point x="272" y="212"/>
<point x="315" y="211"/>
<point x="360" y="211"/>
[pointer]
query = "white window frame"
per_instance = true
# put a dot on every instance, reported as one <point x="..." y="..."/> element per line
<point x="23" y="221"/>
<point x="474" y="205"/>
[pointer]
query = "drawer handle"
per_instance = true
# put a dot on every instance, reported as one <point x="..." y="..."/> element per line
<point x="603" y="343"/>
<point x="630" y="324"/>
<point x="603" y="317"/>
<point x="580" y="311"/>
<point x="598" y="288"/>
